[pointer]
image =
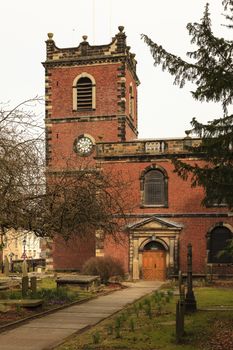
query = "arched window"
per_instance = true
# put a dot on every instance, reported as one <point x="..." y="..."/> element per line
<point x="218" y="240"/>
<point x="84" y="92"/>
<point x="154" y="187"/>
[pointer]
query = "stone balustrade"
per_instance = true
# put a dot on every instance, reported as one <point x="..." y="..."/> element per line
<point x="145" y="147"/>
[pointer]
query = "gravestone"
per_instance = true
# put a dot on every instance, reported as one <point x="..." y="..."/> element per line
<point x="190" y="301"/>
<point x="6" y="266"/>
<point x="180" y="281"/>
<point x="180" y="311"/>
<point x="25" y="269"/>
<point x="182" y="307"/>
<point x="24" y="286"/>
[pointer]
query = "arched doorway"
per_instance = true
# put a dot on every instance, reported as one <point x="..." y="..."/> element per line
<point x="154" y="261"/>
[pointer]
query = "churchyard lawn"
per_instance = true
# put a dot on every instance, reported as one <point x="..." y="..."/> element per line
<point x="150" y="324"/>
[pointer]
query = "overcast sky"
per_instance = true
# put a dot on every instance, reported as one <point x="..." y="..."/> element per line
<point x="164" y="109"/>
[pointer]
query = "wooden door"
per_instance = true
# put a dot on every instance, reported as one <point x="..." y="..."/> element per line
<point x="154" y="265"/>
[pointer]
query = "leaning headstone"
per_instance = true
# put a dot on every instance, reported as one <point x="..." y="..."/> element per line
<point x="24" y="286"/>
<point x="180" y="310"/>
<point x="182" y="307"/>
<point x="25" y="268"/>
<point x="6" y="266"/>
<point x="33" y="285"/>
<point x="178" y="328"/>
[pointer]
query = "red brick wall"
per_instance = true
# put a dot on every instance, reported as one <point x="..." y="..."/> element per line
<point x="72" y="254"/>
<point x="118" y="250"/>
<point x="63" y="137"/>
<point x="129" y="133"/>
<point x="62" y="79"/>
<point x="181" y="197"/>
<point x="130" y="80"/>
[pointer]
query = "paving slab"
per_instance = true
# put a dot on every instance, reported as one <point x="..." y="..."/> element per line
<point x="64" y="315"/>
<point x="103" y="309"/>
<point x="58" y="325"/>
<point x="48" y="331"/>
<point x="25" y="338"/>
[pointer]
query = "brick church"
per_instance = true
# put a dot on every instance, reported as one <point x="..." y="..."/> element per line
<point x="91" y="115"/>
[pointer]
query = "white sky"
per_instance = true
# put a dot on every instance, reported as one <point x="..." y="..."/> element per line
<point x="164" y="109"/>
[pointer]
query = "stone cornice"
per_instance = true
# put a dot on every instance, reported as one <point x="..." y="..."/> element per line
<point x="77" y="61"/>
<point x="71" y="119"/>
<point x="92" y="60"/>
<point x="145" y="158"/>
<point x="180" y="215"/>
<point x="81" y="119"/>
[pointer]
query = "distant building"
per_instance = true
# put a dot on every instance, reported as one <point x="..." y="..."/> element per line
<point x="91" y="115"/>
<point x="18" y="243"/>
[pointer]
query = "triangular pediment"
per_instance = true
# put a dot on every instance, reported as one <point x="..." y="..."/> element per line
<point x="155" y="223"/>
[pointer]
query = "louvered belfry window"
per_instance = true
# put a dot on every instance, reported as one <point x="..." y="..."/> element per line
<point x="219" y="239"/>
<point x="84" y="94"/>
<point x="154" y="188"/>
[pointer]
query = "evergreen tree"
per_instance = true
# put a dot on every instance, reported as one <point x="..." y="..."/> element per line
<point x="210" y="68"/>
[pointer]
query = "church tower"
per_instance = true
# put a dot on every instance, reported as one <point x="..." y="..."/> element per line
<point x="91" y="97"/>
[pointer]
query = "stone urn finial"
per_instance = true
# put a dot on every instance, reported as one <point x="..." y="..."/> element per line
<point x="121" y="28"/>
<point x="85" y="37"/>
<point x="50" y="36"/>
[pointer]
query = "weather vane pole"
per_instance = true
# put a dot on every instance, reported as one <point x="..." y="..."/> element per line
<point x="110" y="19"/>
<point x="93" y="20"/>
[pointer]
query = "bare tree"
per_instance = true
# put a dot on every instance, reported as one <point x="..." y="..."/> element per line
<point x="80" y="202"/>
<point x="21" y="161"/>
<point x="67" y="202"/>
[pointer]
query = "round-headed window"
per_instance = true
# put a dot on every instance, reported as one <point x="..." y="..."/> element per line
<point x="219" y="240"/>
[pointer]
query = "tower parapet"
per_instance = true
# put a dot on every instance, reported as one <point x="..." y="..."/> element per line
<point x="85" y="53"/>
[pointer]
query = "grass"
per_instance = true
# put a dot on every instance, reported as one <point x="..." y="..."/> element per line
<point x="51" y="295"/>
<point x="150" y="324"/>
<point x="210" y="297"/>
<point x="47" y="283"/>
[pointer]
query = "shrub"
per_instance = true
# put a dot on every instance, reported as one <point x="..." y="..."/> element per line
<point x="11" y="294"/>
<point x="105" y="267"/>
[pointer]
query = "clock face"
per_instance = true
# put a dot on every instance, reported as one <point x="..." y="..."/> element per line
<point x="84" y="145"/>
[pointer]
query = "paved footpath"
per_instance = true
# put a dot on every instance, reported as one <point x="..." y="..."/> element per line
<point x="48" y="331"/>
